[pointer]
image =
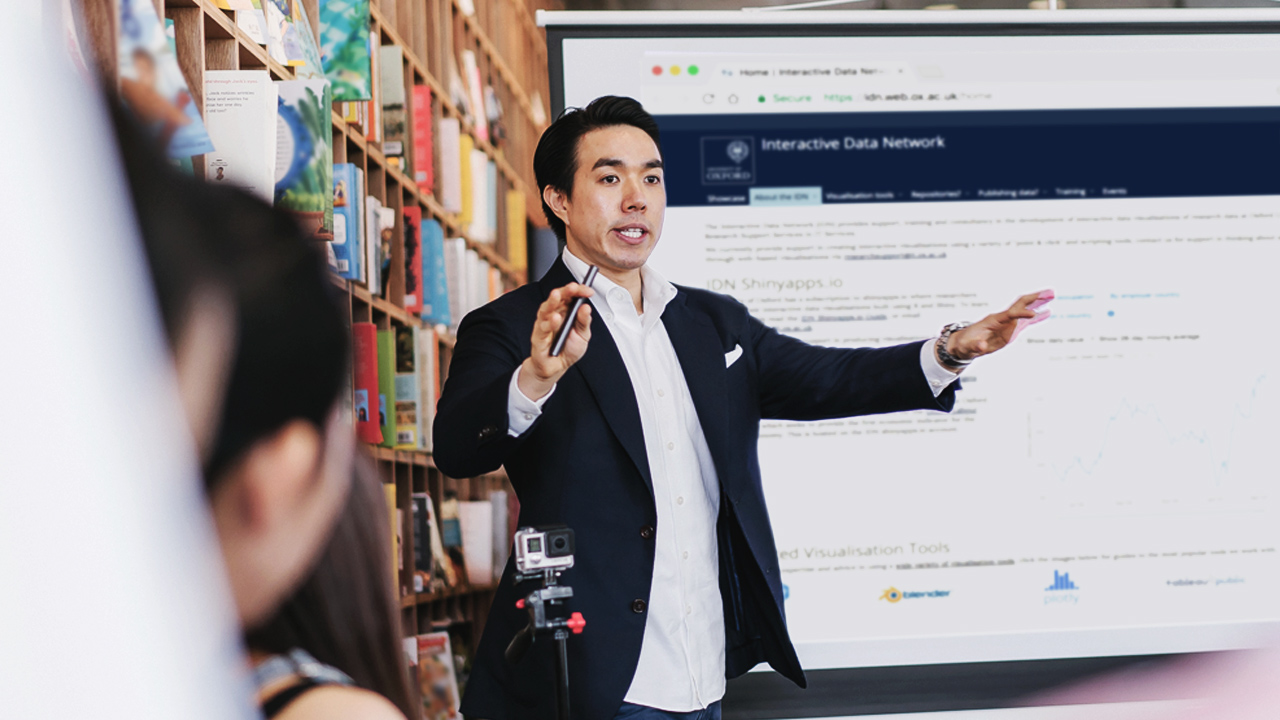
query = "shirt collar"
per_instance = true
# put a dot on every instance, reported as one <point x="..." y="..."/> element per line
<point x="656" y="291"/>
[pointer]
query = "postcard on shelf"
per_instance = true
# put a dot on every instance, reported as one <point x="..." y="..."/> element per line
<point x="304" y="155"/>
<point x="450" y="131"/>
<point x="391" y="88"/>
<point x="344" y="48"/>
<point x="240" y="112"/>
<point x="437" y="680"/>
<point x="152" y="85"/>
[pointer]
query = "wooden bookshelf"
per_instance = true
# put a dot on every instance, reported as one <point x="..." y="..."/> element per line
<point x="512" y="57"/>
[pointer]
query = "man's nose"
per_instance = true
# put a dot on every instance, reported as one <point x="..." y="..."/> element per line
<point x="633" y="198"/>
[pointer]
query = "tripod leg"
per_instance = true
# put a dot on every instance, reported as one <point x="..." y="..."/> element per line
<point x="562" y="673"/>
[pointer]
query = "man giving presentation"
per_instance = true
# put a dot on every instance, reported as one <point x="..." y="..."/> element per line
<point x="641" y="436"/>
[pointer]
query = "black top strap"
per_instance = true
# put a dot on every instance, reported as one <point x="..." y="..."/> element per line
<point x="278" y="702"/>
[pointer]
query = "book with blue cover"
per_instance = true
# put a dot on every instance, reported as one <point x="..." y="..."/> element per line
<point x="348" y="240"/>
<point x="435" y="286"/>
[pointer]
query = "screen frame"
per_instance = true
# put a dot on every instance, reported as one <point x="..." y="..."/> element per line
<point x="925" y="687"/>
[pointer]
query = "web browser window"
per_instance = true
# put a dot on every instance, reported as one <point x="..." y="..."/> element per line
<point x="1106" y="486"/>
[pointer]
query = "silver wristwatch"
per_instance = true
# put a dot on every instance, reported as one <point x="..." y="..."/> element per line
<point x="947" y="358"/>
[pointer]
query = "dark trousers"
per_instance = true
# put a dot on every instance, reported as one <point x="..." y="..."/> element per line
<point x="640" y="712"/>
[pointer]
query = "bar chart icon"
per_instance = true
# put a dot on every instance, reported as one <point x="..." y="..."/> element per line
<point x="1061" y="581"/>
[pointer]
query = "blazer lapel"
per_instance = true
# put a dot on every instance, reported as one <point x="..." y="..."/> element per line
<point x="697" y="345"/>
<point x="606" y="377"/>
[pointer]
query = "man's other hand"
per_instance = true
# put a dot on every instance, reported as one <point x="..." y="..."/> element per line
<point x="540" y="372"/>
<point x="999" y="329"/>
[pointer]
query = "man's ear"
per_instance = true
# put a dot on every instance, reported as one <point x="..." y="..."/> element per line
<point x="558" y="201"/>
<point x="279" y="473"/>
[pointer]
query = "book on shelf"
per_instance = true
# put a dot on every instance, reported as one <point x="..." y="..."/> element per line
<point x="428" y="366"/>
<point x="353" y="113"/>
<point x="153" y="86"/>
<point x="410" y="646"/>
<point x="348" y="220"/>
<point x="437" y="680"/>
<point x="364" y="341"/>
<point x="496" y="286"/>
<point x="451" y="535"/>
<point x="491" y="200"/>
<point x="475" y="521"/>
<point x="479" y="194"/>
<point x="280" y="23"/>
<point x="240" y="114"/>
<point x="413" y="290"/>
<point x="493" y="112"/>
<point x="455" y="264"/>
<point x="251" y="17"/>
<point x="501" y="539"/>
<point x="387" y="386"/>
<point x="391" y="88"/>
<point x="431" y="562"/>
<point x="450" y="132"/>
<point x="393" y="526"/>
<point x="408" y="393"/>
<point x="466" y="148"/>
<point x="435" y="285"/>
<point x="475" y="94"/>
<point x="517" y="230"/>
<point x="477" y="283"/>
<point x="373" y="109"/>
<point x="386" y="235"/>
<point x="304" y="155"/>
<point x="423" y="159"/>
<point x="372" y="245"/>
<point x="344" y="48"/>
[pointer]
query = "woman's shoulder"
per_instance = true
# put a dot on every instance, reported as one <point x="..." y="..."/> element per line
<point x="340" y="702"/>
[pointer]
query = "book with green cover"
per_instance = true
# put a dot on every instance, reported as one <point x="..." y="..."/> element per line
<point x="344" y="48"/>
<point x="408" y="395"/>
<point x="387" y="386"/>
<point x="304" y="155"/>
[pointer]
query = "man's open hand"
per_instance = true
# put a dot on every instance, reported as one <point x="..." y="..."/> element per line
<point x="540" y="372"/>
<point x="999" y="329"/>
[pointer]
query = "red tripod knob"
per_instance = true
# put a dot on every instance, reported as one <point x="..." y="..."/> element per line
<point x="576" y="622"/>
<point x="520" y="603"/>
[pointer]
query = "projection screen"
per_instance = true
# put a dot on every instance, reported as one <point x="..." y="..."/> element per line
<point x="1104" y="487"/>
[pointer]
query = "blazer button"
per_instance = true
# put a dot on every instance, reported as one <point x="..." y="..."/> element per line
<point x="646" y="532"/>
<point x="638" y="606"/>
<point x="488" y="431"/>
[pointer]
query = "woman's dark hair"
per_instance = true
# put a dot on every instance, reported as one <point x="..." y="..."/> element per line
<point x="292" y="353"/>
<point x="292" y="343"/>
<point x="346" y="612"/>
<point x="555" y="161"/>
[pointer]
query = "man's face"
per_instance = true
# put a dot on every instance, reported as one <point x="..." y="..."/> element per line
<point x="614" y="217"/>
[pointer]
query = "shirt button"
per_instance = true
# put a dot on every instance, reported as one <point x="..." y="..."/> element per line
<point x="638" y="606"/>
<point x="608" y="316"/>
<point x="688" y="609"/>
<point x="686" y="554"/>
<point x="671" y="446"/>
<point x="661" y="394"/>
<point x="680" y="500"/>
<point x="646" y="532"/>
<point x="528" y="416"/>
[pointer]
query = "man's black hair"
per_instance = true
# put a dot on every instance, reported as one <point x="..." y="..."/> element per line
<point x="556" y="160"/>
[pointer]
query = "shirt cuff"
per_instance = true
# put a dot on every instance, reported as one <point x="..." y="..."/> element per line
<point x="521" y="411"/>
<point x="938" y="376"/>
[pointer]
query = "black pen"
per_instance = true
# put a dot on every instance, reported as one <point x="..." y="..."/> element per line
<point x="569" y="321"/>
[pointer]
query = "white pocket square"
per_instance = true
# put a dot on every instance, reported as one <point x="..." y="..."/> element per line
<point x="732" y="356"/>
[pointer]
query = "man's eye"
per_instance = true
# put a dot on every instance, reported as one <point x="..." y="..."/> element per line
<point x="609" y="179"/>
<point x="653" y="179"/>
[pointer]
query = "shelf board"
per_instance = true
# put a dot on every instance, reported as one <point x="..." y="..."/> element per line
<point x="408" y="601"/>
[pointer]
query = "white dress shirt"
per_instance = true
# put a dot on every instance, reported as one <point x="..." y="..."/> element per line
<point x="681" y="666"/>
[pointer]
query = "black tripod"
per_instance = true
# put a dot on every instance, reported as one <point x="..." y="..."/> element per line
<point x="546" y="607"/>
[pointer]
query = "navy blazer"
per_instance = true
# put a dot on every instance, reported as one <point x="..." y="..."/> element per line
<point x="583" y="463"/>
